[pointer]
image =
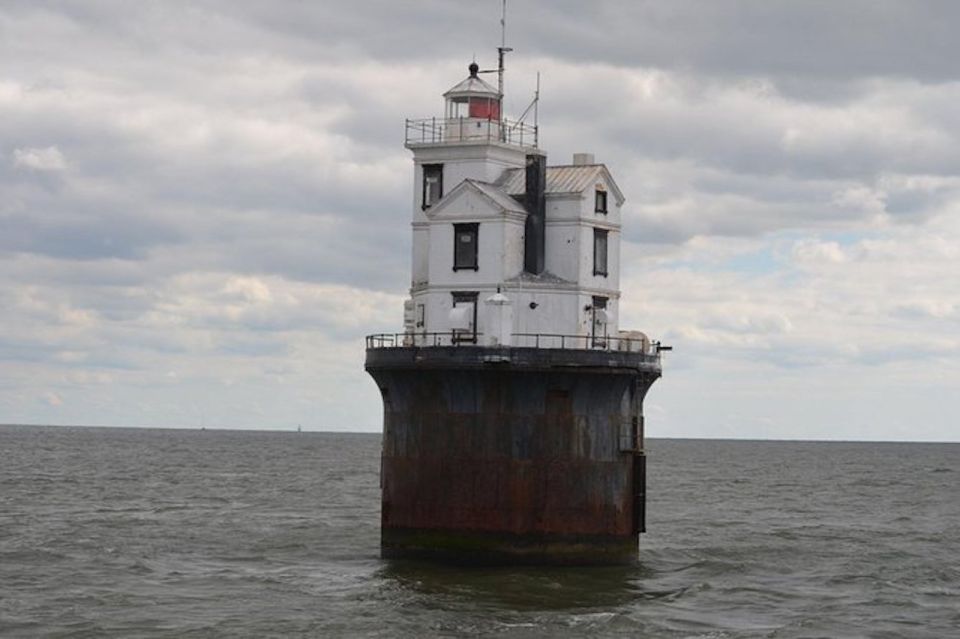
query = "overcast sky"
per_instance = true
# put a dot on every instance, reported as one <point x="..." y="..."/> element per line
<point x="205" y="206"/>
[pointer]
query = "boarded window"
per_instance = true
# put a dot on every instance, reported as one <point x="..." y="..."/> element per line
<point x="432" y="184"/>
<point x="600" y="252"/>
<point x="465" y="246"/>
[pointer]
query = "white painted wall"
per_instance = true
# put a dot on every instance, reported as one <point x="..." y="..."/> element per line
<point x="420" y="262"/>
<point x="470" y="160"/>
<point x="560" y="307"/>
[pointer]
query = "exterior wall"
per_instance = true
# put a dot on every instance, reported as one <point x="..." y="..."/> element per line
<point x="558" y="311"/>
<point x="585" y="314"/>
<point x="420" y="271"/>
<point x="611" y="282"/>
<point x="588" y="205"/>
<point x="466" y="128"/>
<point x="498" y="255"/>
<point x="563" y="236"/>
<point x="555" y="312"/>
<point x="535" y="459"/>
<point x="561" y="307"/>
<point x="476" y="161"/>
<point x="512" y="254"/>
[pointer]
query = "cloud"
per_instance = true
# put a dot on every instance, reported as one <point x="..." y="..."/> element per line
<point x="47" y="159"/>
<point x="207" y="205"/>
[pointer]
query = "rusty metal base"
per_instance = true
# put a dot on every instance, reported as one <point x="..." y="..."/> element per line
<point x="493" y="548"/>
<point x="512" y="455"/>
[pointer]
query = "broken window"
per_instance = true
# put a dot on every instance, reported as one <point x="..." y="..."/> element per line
<point x="600" y="202"/>
<point x="432" y="184"/>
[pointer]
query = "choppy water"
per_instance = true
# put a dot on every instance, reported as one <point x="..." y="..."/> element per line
<point x="160" y="533"/>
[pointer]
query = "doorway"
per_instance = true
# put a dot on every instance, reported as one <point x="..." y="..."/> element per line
<point x="598" y="322"/>
<point x="466" y="299"/>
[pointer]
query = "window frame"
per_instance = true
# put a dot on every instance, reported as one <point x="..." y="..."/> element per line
<point x="420" y="316"/>
<point x="597" y="302"/>
<point x="601" y="236"/>
<point x="600" y="201"/>
<point x="431" y="170"/>
<point x="472" y="228"/>
<point x="465" y="297"/>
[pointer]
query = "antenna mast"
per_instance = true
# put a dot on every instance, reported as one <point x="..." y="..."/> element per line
<point x="501" y="50"/>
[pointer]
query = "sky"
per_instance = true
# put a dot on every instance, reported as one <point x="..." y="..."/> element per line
<point x="205" y="205"/>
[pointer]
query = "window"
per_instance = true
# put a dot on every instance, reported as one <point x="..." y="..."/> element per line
<point x="600" y="252"/>
<point x="600" y="202"/>
<point x="432" y="184"/>
<point x="465" y="246"/>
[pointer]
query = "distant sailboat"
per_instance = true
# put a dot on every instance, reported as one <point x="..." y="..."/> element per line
<point x="299" y="430"/>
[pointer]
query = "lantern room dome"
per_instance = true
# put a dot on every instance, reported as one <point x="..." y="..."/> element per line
<point x="473" y="98"/>
<point x="472" y="86"/>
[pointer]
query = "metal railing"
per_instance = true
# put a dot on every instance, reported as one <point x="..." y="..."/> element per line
<point x="401" y="340"/>
<point x="453" y="130"/>
<point x="520" y="340"/>
<point x="586" y="342"/>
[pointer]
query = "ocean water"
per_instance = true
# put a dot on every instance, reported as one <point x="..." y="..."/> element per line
<point x="164" y="533"/>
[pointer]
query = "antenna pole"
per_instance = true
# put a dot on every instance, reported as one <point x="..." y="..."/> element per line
<point x="536" y="106"/>
<point x="502" y="49"/>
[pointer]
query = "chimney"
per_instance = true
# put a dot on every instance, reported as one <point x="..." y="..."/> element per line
<point x="582" y="159"/>
<point x="535" y="235"/>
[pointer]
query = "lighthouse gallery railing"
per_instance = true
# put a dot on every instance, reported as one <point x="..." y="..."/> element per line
<point x="457" y="130"/>
<point x="520" y="340"/>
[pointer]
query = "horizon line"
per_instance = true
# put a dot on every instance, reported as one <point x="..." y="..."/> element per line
<point x="293" y="429"/>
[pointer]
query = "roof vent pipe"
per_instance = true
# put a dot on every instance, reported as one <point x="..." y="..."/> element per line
<point x="583" y="159"/>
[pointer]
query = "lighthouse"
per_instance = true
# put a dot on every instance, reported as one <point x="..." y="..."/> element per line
<point x="513" y="401"/>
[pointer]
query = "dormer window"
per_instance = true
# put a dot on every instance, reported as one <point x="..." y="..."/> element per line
<point x="600" y="202"/>
<point x="432" y="184"/>
<point x="465" y="247"/>
<point x="600" y="252"/>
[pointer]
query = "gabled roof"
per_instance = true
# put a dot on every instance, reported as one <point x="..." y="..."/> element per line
<point x="562" y="179"/>
<point x="538" y="278"/>
<point x="499" y="196"/>
<point x="488" y="191"/>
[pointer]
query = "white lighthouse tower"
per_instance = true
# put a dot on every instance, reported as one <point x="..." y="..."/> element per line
<point x="490" y="217"/>
<point x="513" y="404"/>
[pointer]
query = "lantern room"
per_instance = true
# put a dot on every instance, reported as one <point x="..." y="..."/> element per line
<point x="473" y="98"/>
